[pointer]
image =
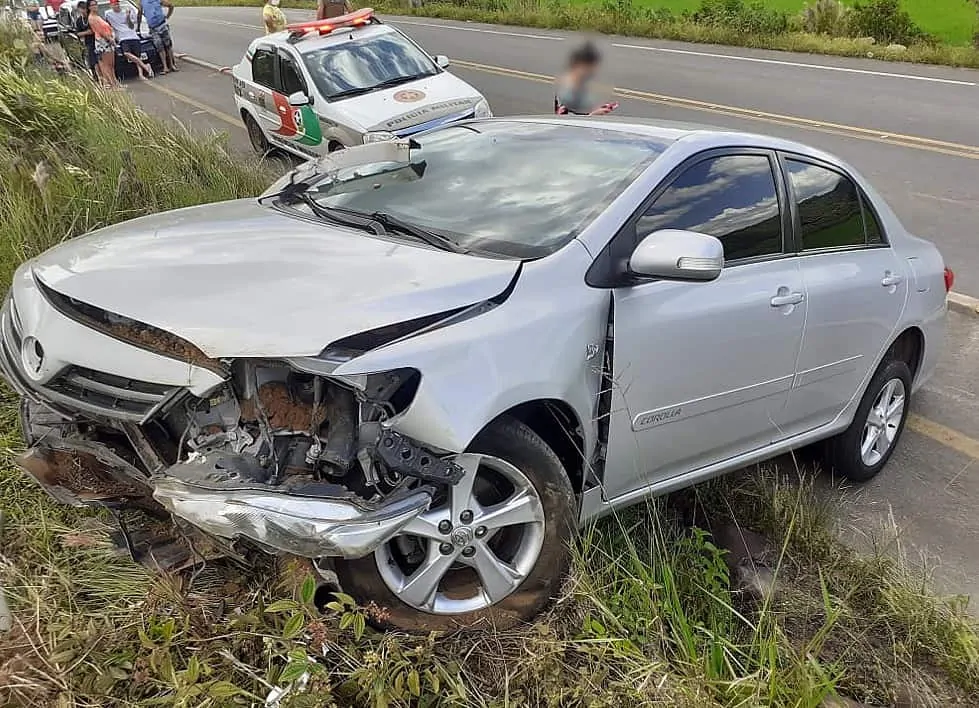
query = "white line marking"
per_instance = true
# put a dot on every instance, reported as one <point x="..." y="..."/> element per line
<point x="476" y="29"/>
<point x="803" y="65"/>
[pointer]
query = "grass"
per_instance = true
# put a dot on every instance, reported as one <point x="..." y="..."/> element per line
<point x="650" y="616"/>
<point x="951" y="22"/>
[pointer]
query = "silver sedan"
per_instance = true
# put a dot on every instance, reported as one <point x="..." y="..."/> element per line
<point x="424" y="363"/>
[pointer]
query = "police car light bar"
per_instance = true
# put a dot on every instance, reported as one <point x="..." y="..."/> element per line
<point x="357" y="18"/>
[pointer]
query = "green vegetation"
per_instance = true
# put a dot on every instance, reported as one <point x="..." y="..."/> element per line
<point x="651" y="615"/>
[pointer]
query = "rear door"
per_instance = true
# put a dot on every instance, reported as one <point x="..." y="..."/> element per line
<point x="856" y="287"/>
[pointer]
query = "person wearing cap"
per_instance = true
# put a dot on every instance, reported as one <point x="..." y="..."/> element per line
<point x="326" y="9"/>
<point x="272" y="17"/>
<point x="125" y="34"/>
<point x="156" y="18"/>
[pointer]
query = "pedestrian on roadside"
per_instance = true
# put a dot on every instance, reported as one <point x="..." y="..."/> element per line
<point x="34" y="16"/>
<point x="575" y="93"/>
<point x="105" y="46"/>
<point x="84" y="32"/>
<point x="325" y="9"/>
<point x="123" y="25"/>
<point x="272" y="17"/>
<point x="156" y="19"/>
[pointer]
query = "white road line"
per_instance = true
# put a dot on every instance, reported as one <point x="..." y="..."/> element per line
<point x="802" y="65"/>
<point x="476" y="29"/>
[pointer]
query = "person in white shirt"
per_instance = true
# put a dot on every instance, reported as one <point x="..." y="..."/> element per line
<point x="129" y="42"/>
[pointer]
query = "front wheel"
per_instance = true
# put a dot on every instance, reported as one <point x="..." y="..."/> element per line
<point x="861" y="452"/>
<point x="492" y="551"/>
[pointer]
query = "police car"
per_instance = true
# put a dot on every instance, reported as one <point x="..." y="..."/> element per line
<point x="324" y="85"/>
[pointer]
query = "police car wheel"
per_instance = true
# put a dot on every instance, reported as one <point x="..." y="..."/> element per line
<point x="256" y="137"/>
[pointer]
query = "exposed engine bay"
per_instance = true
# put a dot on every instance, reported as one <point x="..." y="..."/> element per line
<point x="291" y="461"/>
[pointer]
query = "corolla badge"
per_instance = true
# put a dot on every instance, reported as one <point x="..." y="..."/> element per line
<point x="32" y="357"/>
<point x="408" y="96"/>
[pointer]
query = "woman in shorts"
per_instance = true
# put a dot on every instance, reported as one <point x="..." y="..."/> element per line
<point x="105" y="46"/>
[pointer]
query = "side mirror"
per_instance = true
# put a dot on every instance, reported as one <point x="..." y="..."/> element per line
<point x="298" y="99"/>
<point x="678" y="255"/>
<point x="442" y="61"/>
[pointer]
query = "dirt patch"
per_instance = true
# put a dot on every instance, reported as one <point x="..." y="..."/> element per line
<point x="283" y="410"/>
<point x="157" y="340"/>
<point x="79" y="472"/>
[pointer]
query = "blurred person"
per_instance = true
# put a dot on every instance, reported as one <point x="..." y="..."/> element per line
<point x="272" y="17"/>
<point x="156" y="19"/>
<point x="105" y="46"/>
<point x="55" y="6"/>
<point x="34" y="16"/>
<point x="576" y="91"/>
<point x="84" y="32"/>
<point x="129" y="42"/>
<point x="325" y="9"/>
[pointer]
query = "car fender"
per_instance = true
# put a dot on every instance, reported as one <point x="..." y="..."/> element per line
<point x="544" y="342"/>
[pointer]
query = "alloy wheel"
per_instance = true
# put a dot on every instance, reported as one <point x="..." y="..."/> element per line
<point x="883" y="422"/>
<point x="474" y="547"/>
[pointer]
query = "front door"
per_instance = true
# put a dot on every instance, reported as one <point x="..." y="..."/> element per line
<point x="702" y="371"/>
<point x="857" y="289"/>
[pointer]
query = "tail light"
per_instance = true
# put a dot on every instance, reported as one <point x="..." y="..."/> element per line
<point x="949" y="279"/>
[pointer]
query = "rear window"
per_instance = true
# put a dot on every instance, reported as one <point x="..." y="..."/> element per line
<point x="515" y="189"/>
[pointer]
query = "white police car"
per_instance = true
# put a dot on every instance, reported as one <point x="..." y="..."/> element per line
<point x="323" y="85"/>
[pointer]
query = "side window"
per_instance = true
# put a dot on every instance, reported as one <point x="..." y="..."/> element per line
<point x="289" y="79"/>
<point x="875" y="234"/>
<point x="732" y="197"/>
<point x="263" y="68"/>
<point x="829" y="207"/>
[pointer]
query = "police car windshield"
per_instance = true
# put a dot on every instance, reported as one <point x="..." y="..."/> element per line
<point x="514" y="189"/>
<point x="363" y="65"/>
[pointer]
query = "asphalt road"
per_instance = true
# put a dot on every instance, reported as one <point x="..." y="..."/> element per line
<point x="930" y="490"/>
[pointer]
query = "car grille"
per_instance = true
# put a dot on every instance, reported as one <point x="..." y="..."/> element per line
<point x="77" y="388"/>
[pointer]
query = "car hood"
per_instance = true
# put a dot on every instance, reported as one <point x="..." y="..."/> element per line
<point x="239" y="279"/>
<point x="411" y="104"/>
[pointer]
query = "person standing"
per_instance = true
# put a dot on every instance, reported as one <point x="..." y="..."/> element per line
<point x="105" y="46"/>
<point x="272" y="17"/>
<point x="156" y="19"/>
<point x="84" y="32"/>
<point x="123" y="26"/>
<point x="325" y="9"/>
<point x="34" y="16"/>
<point x="575" y="92"/>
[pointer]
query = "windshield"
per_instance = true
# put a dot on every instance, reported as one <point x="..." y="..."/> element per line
<point x="514" y="189"/>
<point x="363" y="64"/>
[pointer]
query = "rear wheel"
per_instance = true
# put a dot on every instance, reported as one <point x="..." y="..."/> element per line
<point x="491" y="552"/>
<point x="256" y="137"/>
<point x="861" y="452"/>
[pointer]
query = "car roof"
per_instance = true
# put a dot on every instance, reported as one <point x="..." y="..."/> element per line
<point x="336" y="38"/>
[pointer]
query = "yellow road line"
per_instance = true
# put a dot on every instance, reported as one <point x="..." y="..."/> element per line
<point x="948" y="437"/>
<point x="910" y="141"/>
<point x="213" y="112"/>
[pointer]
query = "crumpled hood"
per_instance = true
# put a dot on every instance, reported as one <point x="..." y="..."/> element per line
<point x="240" y="279"/>
<point x="443" y="95"/>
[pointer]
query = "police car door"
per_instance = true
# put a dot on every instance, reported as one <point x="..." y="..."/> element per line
<point x="260" y="90"/>
<point x="298" y="124"/>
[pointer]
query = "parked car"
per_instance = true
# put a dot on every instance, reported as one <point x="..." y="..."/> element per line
<point x="323" y="85"/>
<point x="426" y="361"/>
<point x="77" y="53"/>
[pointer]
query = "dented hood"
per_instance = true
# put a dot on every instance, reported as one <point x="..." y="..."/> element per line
<point x="241" y="279"/>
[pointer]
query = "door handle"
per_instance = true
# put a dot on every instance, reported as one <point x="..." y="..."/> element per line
<point x="787" y="299"/>
<point x="891" y="280"/>
<point x="251" y="94"/>
<point x="282" y="110"/>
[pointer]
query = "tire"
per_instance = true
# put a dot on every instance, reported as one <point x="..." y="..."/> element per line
<point x="256" y="137"/>
<point x="845" y="453"/>
<point x="460" y="599"/>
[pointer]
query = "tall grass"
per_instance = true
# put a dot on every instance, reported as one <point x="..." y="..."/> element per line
<point x="649" y="617"/>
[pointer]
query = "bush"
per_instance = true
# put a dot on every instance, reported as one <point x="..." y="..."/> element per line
<point x="830" y="17"/>
<point x="886" y="21"/>
<point x="736" y="15"/>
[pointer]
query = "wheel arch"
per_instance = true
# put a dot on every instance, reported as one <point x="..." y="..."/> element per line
<point x="909" y="347"/>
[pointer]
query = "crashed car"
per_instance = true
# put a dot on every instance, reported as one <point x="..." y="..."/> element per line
<point x="324" y="85"/>
<point x="422" y="363"/>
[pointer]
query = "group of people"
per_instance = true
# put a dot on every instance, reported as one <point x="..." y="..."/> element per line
<point x="274" y="19"/>
<point x="118" y="28"/>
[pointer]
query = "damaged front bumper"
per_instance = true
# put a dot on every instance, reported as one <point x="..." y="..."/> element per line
<point x="333" y="523"/>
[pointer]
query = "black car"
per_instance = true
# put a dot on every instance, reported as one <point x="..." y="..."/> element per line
<point x="75" y="47"/>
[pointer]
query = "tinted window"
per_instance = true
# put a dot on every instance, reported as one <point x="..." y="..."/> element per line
<point x="289" y="80"/>
<point x="515" y="189"/>
<point x="360" y="65"/>
<point x="732" y="197"/>
<point x="263" y="68"/>
<point x="875" y="234"/>
<point x="829" y="207"/>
